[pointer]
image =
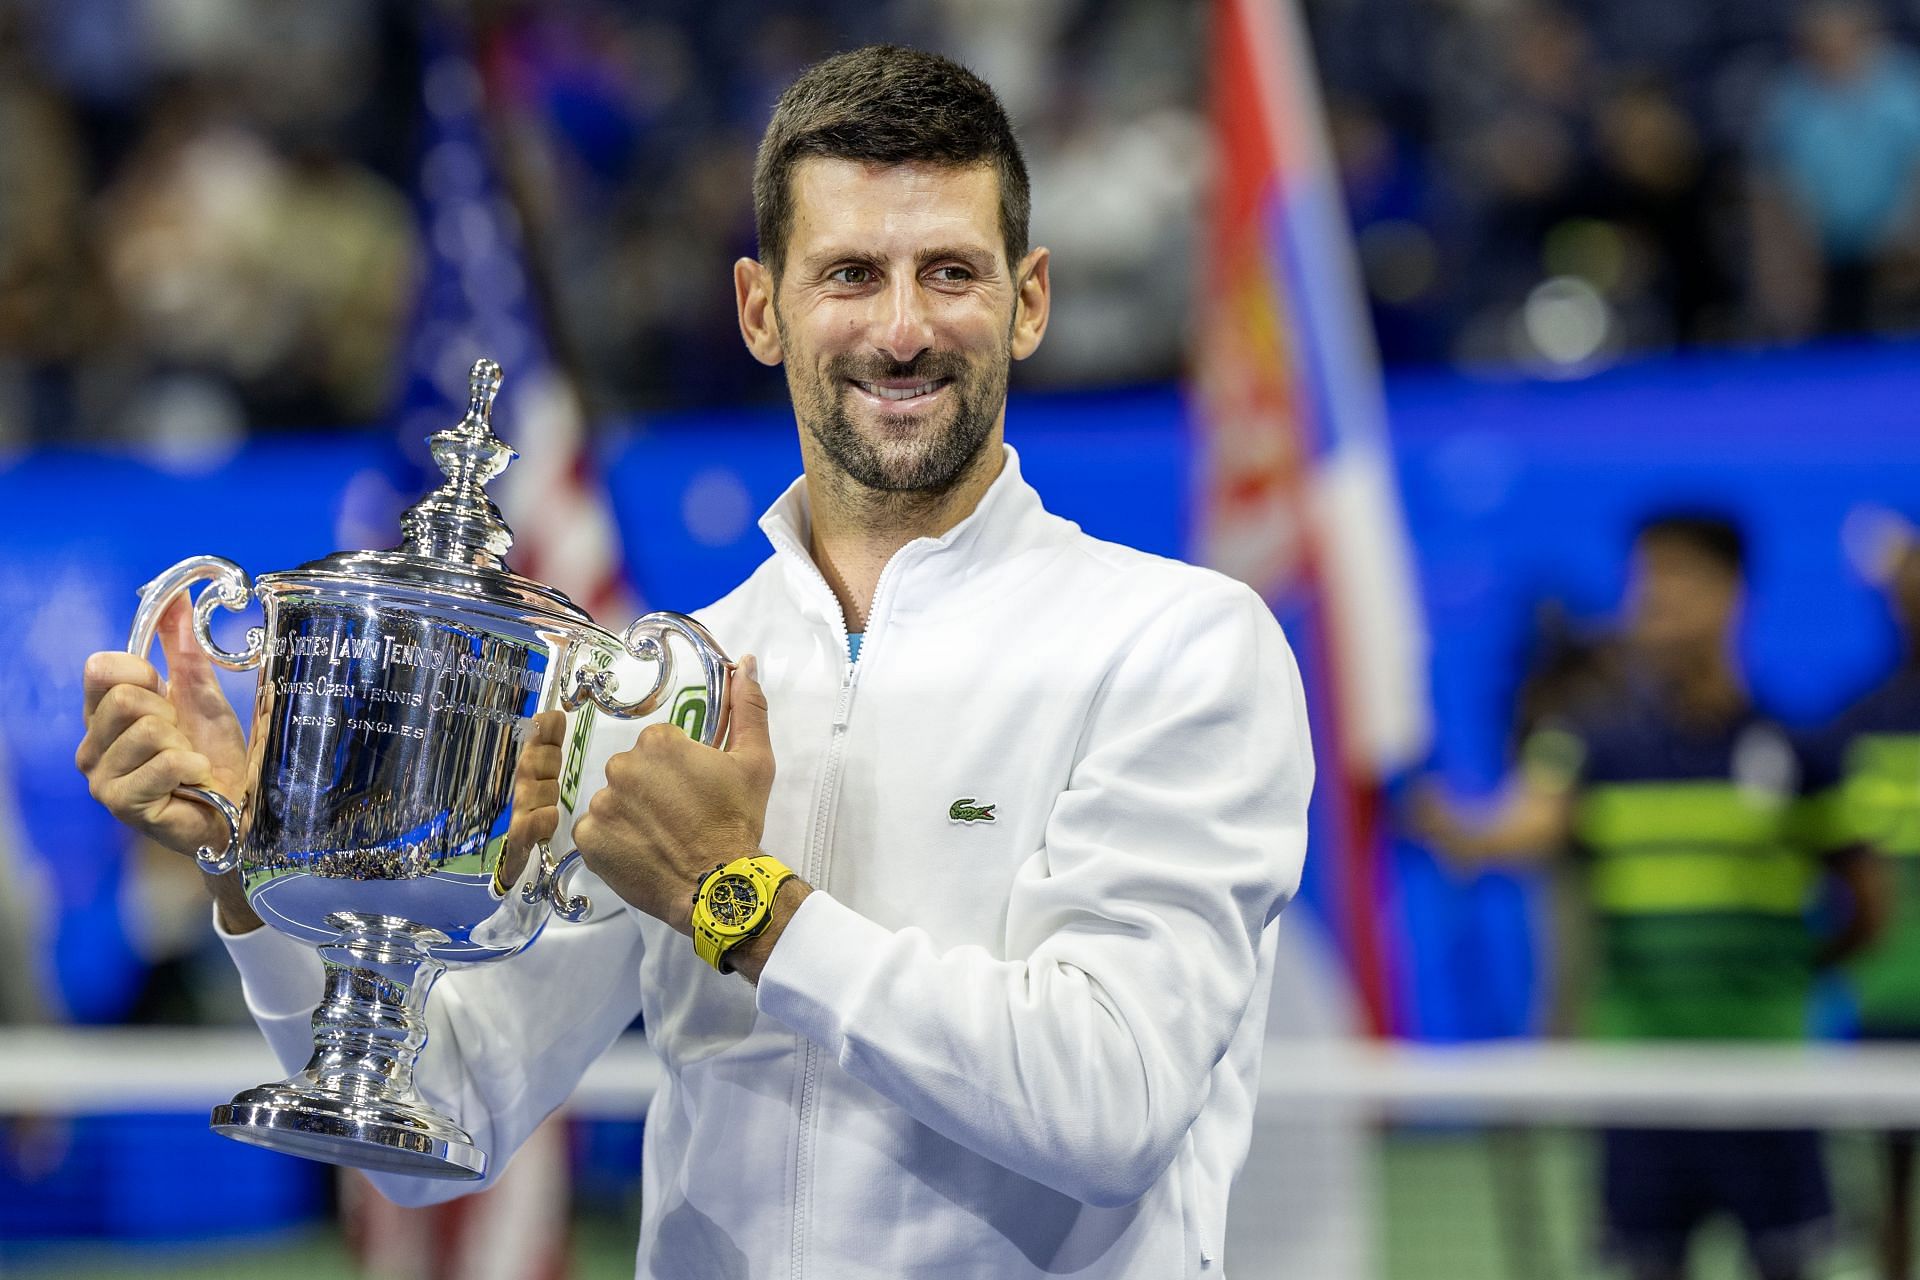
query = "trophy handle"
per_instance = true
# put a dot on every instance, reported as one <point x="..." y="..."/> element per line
<point x="228" y="588"/>
<point x="646" y="640"/>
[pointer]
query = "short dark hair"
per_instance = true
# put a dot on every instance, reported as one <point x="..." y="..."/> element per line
<point x="886" y="105"/>
<point x="1716" y="536"/>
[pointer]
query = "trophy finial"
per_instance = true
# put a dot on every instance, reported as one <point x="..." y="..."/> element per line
<point x="458" y="522"/>
<point x="483" y="384"/>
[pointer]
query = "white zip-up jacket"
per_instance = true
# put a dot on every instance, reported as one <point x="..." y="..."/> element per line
<point x="1018" y="1046"/>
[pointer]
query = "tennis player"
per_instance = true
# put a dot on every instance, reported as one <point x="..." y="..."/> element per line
<point x="957" y="954"/>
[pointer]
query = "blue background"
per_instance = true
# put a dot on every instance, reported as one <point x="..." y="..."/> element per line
<point x="1515" y="490"/>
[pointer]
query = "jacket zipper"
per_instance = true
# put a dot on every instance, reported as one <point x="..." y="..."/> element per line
<point x="814" y="873"/>
<point x="815" y="864"/>
<point x="813" y="868"/>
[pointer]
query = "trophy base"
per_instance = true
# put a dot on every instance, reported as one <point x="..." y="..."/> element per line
<point x="383" y="1137"/>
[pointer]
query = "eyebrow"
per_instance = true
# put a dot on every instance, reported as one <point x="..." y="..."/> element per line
<point x="975" y="256"/>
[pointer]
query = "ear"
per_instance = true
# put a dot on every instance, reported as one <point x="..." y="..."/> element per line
<point x="1031" y="302"/>
<point x="753" y="298"/>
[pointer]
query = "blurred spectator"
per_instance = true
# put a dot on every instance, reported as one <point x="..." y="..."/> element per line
<point x="1868" y="769"/>
<point x="1399" y="214"/>
<point x="1680" y="795"/>
<point x="1516" y="128"/>
<point x="277" y="275"/>
<point x="24" y="989"/>
<point x="1838" y="155"/>
<point x="1653" y="190"/>
<point x="53" y="305"/>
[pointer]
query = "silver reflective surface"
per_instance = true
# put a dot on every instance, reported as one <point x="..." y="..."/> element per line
<point x="386" y="735"/>
<point x="395" y="695"/>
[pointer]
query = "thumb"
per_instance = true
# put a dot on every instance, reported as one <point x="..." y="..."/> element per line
<point x="190" y="674"/>
<point x="747" y="723"/>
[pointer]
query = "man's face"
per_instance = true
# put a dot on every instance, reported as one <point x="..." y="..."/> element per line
<point x="896" y="316"/>
<point x="1682" y="602"/>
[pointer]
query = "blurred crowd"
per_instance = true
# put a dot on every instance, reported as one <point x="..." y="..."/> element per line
<point x="203" y="219"/>
<point x="207" y="224"/>
<point x="1557" y="184"/>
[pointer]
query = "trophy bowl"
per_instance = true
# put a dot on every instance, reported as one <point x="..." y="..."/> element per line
<point x="395" y="694"/>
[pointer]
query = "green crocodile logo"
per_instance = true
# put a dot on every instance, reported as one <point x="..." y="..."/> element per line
<point x="965" y="810"/>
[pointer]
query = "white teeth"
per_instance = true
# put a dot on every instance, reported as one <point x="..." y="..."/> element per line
<point x="900" y="393"/>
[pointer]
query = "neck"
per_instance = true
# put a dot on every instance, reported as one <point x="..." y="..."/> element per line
<point x="856" y="530"/>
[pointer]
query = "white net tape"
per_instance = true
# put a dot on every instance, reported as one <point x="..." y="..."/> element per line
<point x="1369" y="1161"/>
<point x="64" y="1070"/>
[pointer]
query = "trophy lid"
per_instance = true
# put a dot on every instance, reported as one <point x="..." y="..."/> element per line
<point x="454" y="537"/>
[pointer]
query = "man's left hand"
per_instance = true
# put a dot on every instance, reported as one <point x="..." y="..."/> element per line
<point x="673" y="809"/>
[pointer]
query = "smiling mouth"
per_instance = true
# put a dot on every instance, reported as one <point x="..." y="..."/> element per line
<point x="887" y="391"/>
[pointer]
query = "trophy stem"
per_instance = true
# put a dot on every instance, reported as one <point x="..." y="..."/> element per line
<point x="355" y="1102"/>
<point x="371" y="1023"/>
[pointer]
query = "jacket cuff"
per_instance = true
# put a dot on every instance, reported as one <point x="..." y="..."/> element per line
<point x="281" y="978"/>
<point x="815" y="970"/>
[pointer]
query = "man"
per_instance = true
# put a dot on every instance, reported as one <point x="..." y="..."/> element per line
<point x="1043" y="797"/>
<point x="1682" y="798"/>
<point x="1838" y="154"/>
<point x="1866" y="775"/>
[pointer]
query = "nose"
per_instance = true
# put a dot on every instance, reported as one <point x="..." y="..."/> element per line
<point x="905" y="328"/>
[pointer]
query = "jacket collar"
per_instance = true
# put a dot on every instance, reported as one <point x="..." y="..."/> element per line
<point x="1009" y="519"/>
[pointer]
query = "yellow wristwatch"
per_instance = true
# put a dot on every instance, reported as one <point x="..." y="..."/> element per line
<point x="733" y="903"/>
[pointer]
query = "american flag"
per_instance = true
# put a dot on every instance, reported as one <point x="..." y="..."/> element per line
<point x="479" y="297"/>
<point x="1295" y="489"/>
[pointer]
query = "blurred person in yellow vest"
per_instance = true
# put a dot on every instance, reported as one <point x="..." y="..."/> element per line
<point x="1681" y="799"/>
<point x="1865" y="772"/>
<point x="24" y="994"/>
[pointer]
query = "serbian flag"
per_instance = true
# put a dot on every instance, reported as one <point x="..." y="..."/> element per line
<point x="1295" y="488"/>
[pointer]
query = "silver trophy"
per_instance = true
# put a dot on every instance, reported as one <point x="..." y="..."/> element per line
<point x="395" y="693"/>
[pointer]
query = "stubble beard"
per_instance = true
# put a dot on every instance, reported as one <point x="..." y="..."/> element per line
<point x="924" y="459"/>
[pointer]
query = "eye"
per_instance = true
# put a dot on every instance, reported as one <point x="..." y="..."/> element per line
<point x="851" y="275"/>
<point x="952" y="273"/>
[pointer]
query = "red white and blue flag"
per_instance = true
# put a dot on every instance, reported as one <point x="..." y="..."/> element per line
<point x="1296" y="494"/>
<point x="479" y="296"/>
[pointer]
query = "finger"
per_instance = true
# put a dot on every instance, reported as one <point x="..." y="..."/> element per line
<point x="532" y="826"/>
<point x="550" y="728"/>
<point x="661" y="735"/>
<point x="747" y="732"/>
<point x="106" y="670"/>
<point x="147" y="792"/>
<point x="143" y="740"/>
<point x="541" y="762"/>
<point x="536" y="793"/>
<point x="116" y="711"/>
<point x="586" y="835"/>
<point x="190" y="673"/>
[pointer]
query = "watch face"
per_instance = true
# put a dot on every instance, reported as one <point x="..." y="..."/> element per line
<point x="732" y="900"/>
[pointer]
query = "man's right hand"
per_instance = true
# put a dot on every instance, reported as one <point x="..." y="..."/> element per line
<point x="146" y="736"/>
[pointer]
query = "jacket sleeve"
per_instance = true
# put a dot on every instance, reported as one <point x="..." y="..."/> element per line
<point x="1133" y="935"/>
<point x="506" y="1042"/>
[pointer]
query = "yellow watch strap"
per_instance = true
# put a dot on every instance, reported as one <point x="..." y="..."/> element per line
<point x="711" y="941"/>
